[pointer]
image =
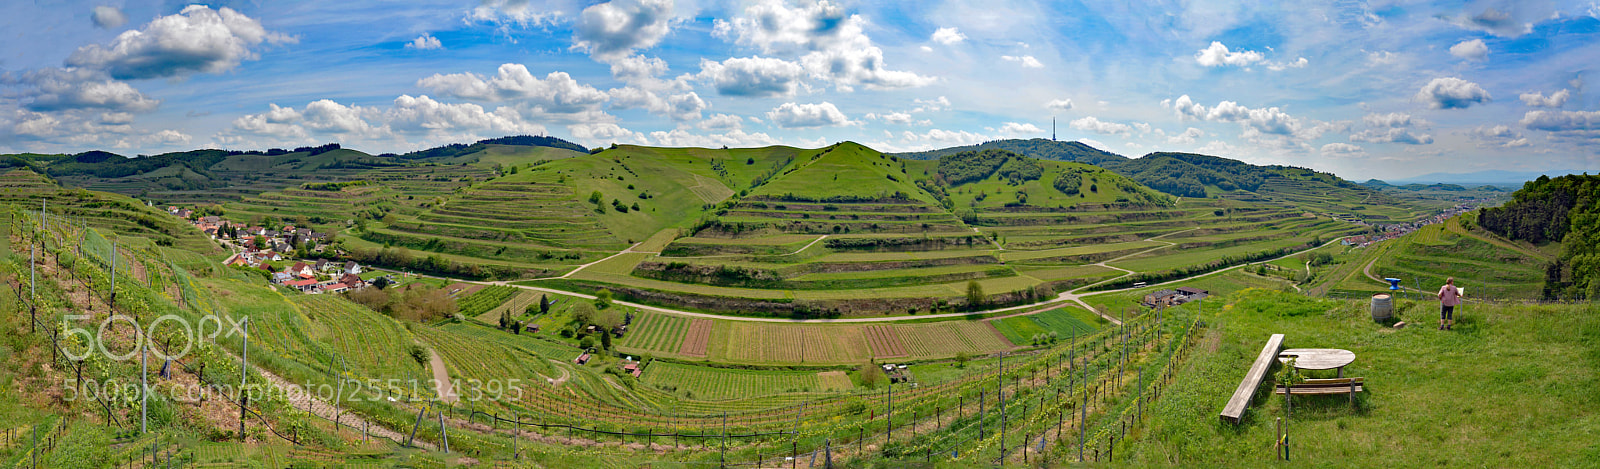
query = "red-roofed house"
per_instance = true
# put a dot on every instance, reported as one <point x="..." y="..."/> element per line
<point x="302" y="270"/>
<point x="302" y="285"/>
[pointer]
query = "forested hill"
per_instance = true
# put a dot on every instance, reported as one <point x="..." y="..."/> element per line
<point x="1565" y="210"/>
<point x="1180" y="174"/>
<point x="1038" y="148"/>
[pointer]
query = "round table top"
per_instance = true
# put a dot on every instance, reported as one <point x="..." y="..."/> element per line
<point x="1317" y="358"/>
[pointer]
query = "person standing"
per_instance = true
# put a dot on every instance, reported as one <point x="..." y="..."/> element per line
<point x="1449" y="299"/>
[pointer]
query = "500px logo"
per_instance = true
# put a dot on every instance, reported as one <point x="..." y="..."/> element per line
<point x="190" y="333"/>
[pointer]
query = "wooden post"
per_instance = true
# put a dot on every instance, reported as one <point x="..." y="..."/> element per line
<point x="444" y="434"/>
<point x="244" y="366"/>
<point x="144" y="385"/>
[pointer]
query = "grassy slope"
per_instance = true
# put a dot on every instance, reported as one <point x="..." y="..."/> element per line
<point x="1109" y="187"/>
<point x="851" y="170"/>
<point x="1511" y="384"/>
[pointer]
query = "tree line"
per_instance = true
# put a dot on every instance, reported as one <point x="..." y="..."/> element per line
<point x="1560" y="210"/>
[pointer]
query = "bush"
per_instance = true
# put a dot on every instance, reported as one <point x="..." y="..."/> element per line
<point x="419" y="354"/>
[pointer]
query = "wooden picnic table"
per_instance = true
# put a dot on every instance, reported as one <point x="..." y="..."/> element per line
<point x="1318" y="358"/>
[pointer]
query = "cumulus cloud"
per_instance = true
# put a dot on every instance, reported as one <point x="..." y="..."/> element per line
<point x="1452" y="93"/>
<point x="835" y="46"/>
<point x="603" y="132"/>
<point x="1393" y="135"/>
<point x="1497" y="22"/>
<point x="899" y="118"/>
<point x="507" y="13"/>
<point x="1218" y="55"/>
<point x="1393" y="119"/>
<point x="1093" y="124"/>
<point x="556" y="93"/>
<point x="1059" y="104"/>
<point x="1497" y="136"/>
<point x="948" y="36"/>
<point x="407" y="115"/>
<point x="930" y="105"/>
<point x="1470" y="50"/>
<point x="1563" y="121"/>
<point x="1187" y="137"/>
<point x="752" y="76"/>
<point x="636" y="68"/>
<point x="197" y="39"/>
<point x="614" y="29"/>
<point x="735" y="138"/>
<point x="1027" y="61"/>
<point x="1341" y="149"/>
<point x="108" y="17"/>
<point x="793" y="115"/>
<point x="425" y="42"/>
<point x="1538" y="99"/>
<point x="1015" y="128"/>
<point x="57" y="89"/>
<point x="721" y="122"/>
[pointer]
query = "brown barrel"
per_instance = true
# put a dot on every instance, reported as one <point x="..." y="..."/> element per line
<point x="1382" y="307"/>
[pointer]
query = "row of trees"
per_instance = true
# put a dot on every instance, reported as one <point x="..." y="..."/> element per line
<point x="1562" y="210"/>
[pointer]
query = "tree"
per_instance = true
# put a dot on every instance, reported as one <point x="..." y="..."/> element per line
<point x="381" y="282"/>
<point x="584" y="314"/>
<point x="961" y="359"/>
<point x="544" y="304"/>
<point x="871" y="375"/>
<point x="974" y="294"/>
<point x="602" y="299"/>
<point x="595" y="197"/>
<point x="605" y="339"/>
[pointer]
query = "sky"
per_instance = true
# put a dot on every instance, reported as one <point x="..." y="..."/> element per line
<point x="1364" y="89"/>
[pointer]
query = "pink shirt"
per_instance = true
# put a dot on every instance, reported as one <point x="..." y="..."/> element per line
<point x="1449" y="296"/>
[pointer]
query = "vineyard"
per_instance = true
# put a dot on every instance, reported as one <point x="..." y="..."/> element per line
<point x="659" y="333"/>
<point x="1064" y="322"/>
<point x="714" y="384"/>
<point x="376" y="345"/>
<point x="485" y="299"/>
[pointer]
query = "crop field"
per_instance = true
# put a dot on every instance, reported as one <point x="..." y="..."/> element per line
<point x="1064" y="322"/>
<point x="483" y="353"/>
<point x="834" y="381"/>
<point x="885" y="342"/>
<point x="485" y="299"/>
<point x="697" y="339"/>
<point x="751" y="342"/>
<point x="715" y="384"/>
<point x="373" y="345"/>
<point x="946" y="339"/>
<point x="654" y="332"/>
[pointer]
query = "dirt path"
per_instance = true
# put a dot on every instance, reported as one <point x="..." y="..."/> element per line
<point x="441" y="377"/>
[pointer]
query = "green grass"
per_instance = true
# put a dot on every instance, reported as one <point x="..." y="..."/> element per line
<point x="1065" y="322"/>
<point x="1511" y="384"/>
<point x="658" y="333"/>
<point x="713" y="384"/>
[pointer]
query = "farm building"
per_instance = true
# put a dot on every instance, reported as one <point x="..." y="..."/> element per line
<point x="632" y="369"/>
<point x="1161" y="298"/>
<point x="302" y="285"/>
<point x="582" y="359"/>
<point x="1192" y="293"/>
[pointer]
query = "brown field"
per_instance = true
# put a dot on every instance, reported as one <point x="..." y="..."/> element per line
<point x="943" y="339"/>
<point x="884" y="341"/>
<point x="694" y="343"/>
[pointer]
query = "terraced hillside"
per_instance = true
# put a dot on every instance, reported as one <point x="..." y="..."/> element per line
<point x="22" y="187"/>
<point x="1484" y="264"/>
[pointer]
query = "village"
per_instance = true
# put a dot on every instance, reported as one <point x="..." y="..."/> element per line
<point x="1391" y="231"/>
<point x="283" y="253"/>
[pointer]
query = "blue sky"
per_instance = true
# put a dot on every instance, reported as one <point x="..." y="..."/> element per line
<point x="1363" y="89"/>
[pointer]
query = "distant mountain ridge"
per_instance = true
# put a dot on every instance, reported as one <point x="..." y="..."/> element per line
<point x="1494" y="177"/>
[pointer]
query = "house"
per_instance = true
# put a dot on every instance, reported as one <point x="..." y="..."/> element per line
<point x="304" y="285"/>
<point x="302" y="270"/>
<point x="582" y="359"/>
<point x="1192" y="293"/>
<point x="632" y="368"/>
<point x="321" y="265"/>
<point x="336" y="288"/>
<point x="210" y="219"/>
<point x="237" y="260"/>
<point x="353" y="281"/>
<point x="270" y="256"/>
<point x="351" y="267"/>
<point x="1162" y="298"/>
<point x="281" y="277"/>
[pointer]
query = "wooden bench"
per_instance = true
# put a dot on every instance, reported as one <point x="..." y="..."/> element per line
<point x="1234" y="411"/>
<point x="1349" y="386"/>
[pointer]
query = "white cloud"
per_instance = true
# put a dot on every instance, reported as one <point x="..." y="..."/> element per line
<point x="1392" y="135"/>
<point x="1218" y="55"/>
<point x="1093" y="124"/>
<point x="735" y="138"/>
<point x="278" y="122"/>
<point x="1498" y="136"/>
<point x="752" y="76"/>
<point x="198" y="39"/>
<point x="1537" y="99"/>
<point x="1470" y="50"/>
<point x="57" y="89"/>
<point x="605" y="132"/>
<point x="556" y="93"/>
<point x="1027" y="61"/>
<point x="722" y="122"/>
<point x="164" y="138"/>
<point x="899" y="118"/>
<point x="108" y="17"/>
<point x="1187" y="137"/>
<point x="1341" y="149"/>
<point x="836" y="47"/>
<point x="1059" y="104"/>
<point x="1563" y="121"/>
<point x="1451" y="93"/>
<point x="425" y="42"/>
<point x="948" y="36"/>
<point x="807" y="115"/>
<point x="1498" y="22"/>
<point x="1393" y="119"/>
<point x="512" y="12"/>
<point x="930" y="105"/>
<point x="1299" y="63"/>
<point x="407" y="115"/>
<point x="614" y="29"/>
<point x="1015" y="128"/>
<point x="636" y="68"/>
